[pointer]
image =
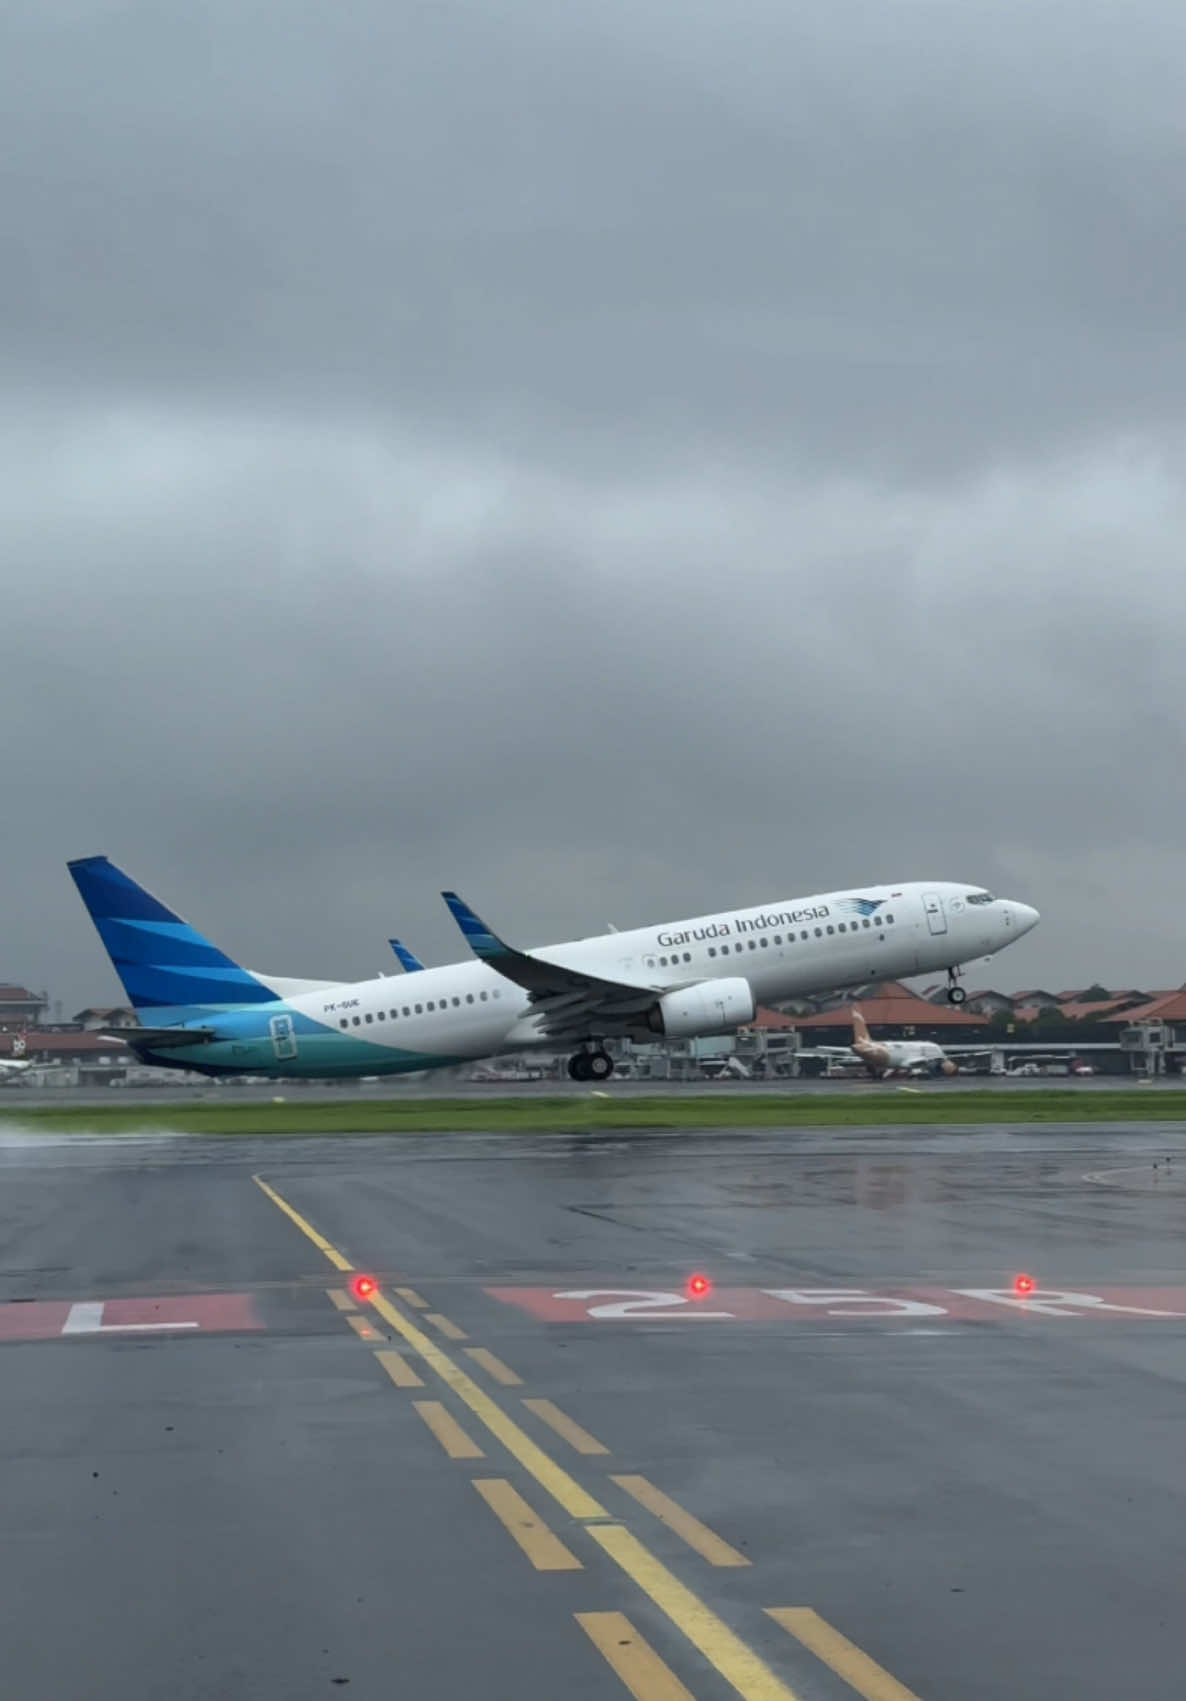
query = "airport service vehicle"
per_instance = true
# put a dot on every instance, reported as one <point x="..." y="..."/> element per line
<point x="882" y="1058"/>
<point x="200" y="1010"/>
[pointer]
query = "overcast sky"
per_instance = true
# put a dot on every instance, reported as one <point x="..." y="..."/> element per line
<point x="621" y="461"/>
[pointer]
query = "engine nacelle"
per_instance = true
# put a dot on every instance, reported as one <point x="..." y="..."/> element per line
<point x="712" y="1007"/>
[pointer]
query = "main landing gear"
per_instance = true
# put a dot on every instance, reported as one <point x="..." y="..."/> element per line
<point x="955" y="992"/>
<point x="591" y="1065"/>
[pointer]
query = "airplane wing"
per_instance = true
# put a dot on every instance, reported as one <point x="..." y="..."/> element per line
<point x="14" y="1065"/>
<point x="408" y="962"/>
<point x="567" y="999"/>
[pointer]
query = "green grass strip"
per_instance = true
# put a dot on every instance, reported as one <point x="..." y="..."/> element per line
<point x="936" y="1107"/>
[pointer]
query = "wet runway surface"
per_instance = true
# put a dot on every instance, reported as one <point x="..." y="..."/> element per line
<point x="534" y="1463"/>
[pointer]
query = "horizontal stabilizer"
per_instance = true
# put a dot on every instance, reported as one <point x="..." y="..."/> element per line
<point x="161" y="1039"/>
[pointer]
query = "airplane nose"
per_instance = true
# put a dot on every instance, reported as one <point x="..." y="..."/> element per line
<point x="1025" y="917"/>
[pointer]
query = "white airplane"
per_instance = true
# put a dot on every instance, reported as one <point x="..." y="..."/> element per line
<point x="896" y="1057"/>
<point x="706" y="975"/>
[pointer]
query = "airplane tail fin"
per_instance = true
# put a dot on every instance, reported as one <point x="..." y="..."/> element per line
<point x="860" y="1032"/>
<point x="169" y="971"/>
<point x="409" y="962"/>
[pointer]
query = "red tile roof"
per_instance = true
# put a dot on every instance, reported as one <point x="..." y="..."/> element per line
<point x="895" y="1006"/>
<point x="61" y="1045"/>
<point x="773" y="1020"/>
<point x="1166" y="1007"/>
<point x="1074" y="1011"/>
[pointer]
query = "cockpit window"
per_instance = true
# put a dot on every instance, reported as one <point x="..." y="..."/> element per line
<point x="981" y="898"/>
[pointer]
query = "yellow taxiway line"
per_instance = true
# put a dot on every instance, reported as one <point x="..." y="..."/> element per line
<point x="545" y="1550"/>
<point x="845" y="1658"/>
<point x="645" y="1675"/>
<point x="670" y="1512"/>
<point x="737" y="1663"/>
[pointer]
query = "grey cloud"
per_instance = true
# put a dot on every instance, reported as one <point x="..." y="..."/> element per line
<point x="759" y="226"/>
<point x="300" y="687"/>
<point x="619" y="463"/>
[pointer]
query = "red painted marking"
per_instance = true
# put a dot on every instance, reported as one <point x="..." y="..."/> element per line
<point x="212" y="1313"/>
<point x="910" y="1306"/>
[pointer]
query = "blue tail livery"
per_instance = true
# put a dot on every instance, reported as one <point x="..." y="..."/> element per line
<point x="167" y="968"/>
<point x="410" y="963"/>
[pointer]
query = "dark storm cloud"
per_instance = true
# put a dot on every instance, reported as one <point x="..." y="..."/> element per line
<point x="774" y="227"/>
<point x="619" y="464"/>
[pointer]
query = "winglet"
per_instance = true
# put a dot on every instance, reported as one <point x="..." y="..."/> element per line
<point x="486" y="946"/>
<point x="408" y="962"/>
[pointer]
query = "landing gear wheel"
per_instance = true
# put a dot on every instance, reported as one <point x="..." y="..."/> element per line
<point x="956" y="994"/>
<point x="578" y="1066"/>
<point x="600" y="1065"/>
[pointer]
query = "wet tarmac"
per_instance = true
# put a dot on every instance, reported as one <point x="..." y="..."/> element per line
<point x="539" y="1462"/>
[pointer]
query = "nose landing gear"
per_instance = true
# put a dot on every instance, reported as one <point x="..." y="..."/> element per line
<point x="591" y="1065"/>
<point x="955" y="992"/>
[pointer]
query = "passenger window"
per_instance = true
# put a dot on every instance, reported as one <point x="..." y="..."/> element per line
<point x="407" y="1011"/>
<point x="819" y="932"/>
<point x="456" y="1003"/>
<point x="662" y="962"/>
<point x="687" y="956"/>
<point x="482" y="996"/>
<point x="890" y="919"/>
<point x="751" y="944"/>
<point x="778" y="938"/>
<point x="840" y="927"/>
<point x="865" y="923"/>
<point x="712" y="950"/>
<point x="763" y="943"/>
<point x="343" y="1023"/>
<point x="420" y="1009"/>
<point x="803" y="935"/>
<point x="370" y="1018"/>
<point x="357" y="1021"/>
<point x="831" y="929"/>
<point x="469" y="998"/>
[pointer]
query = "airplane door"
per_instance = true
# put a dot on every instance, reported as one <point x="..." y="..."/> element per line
<point x="932" y="903"/>
<point x="283" y="1038"/>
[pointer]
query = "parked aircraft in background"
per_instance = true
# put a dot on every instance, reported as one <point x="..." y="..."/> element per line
<point x="706" y="975"/>
<point x="897" y="1057"/>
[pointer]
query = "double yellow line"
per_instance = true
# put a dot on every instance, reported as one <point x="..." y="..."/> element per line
<point x="639" y="1667"/>
<point x="737" y="1663"/>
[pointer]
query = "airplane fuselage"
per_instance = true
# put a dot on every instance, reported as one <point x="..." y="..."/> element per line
<point x="467" y="1010"/>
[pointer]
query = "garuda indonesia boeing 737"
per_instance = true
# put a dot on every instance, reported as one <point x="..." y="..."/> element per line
<point x="199" y="1010"/>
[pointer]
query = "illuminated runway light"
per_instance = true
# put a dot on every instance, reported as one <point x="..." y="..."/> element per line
<point x="699" y="1287"/>
<point x="364" y="1287"/>
<point x="1023" y="1286"/>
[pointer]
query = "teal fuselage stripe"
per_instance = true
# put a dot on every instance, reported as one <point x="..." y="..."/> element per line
<point x="276" y="1040"/>
<point x="316" y="1056"/>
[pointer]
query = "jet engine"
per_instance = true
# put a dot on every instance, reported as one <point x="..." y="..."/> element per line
<point x="712" y="1007"/>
